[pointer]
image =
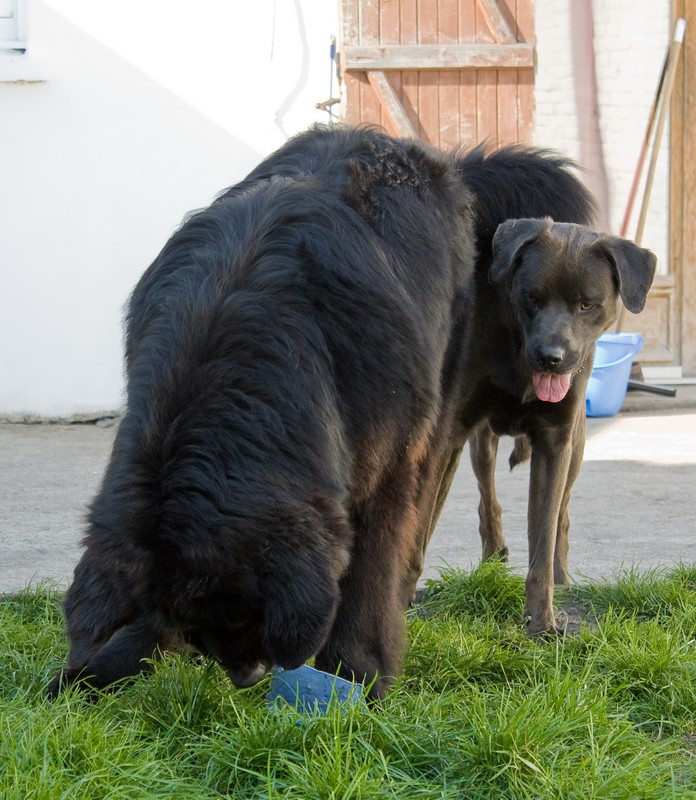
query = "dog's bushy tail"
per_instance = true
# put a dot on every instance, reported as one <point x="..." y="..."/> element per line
<point x="516" y="182"/>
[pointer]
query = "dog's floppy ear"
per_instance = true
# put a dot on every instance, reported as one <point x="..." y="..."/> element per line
<point x="301" y="586"/>
<point x="635" y="269"/>
<point x="509" y="240"/>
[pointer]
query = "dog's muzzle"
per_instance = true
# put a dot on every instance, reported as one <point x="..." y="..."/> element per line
<point x="248" y="675"/>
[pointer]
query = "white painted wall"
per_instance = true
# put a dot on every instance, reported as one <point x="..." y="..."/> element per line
<point x="150" y="109"/>
<point x="630" y="41"/>
<point x="153" y="106"/>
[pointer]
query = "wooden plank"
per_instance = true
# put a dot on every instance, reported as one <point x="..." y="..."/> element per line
<point x="349" y="23"/>
<point x="390" y="23"/>
<point x="506" y="107"/>
<point x="487" y="106"/>
<point x="524" y="17"/>
<point x="428" y="82"/>
<point x="468" y="134"/>
<point x="409" y="98"/>
<point x="497" y="18"/>
<point x="525" y="77"/>
<point x="390" y="34"/>
<point x="448" y="89"/>
<point x="370" y="107"/>
<point x="429" y="106"/>
<point x="368" y="20"/>
<point x="448" y="21"/>
<point x="525" y="106"/>
<point x="427" y="22"/>
<point x="506" y="99"/>
<point x="656" y="322"/>
<point x="408" y="35"/>
<point x="436" y="57"/>
<point x="677" y="189"/>
<point x="350" y="108"/>
<point x="486" y="91"/>
<point x="685" y="226"/>
<point x="393" y="113"/>
<point x="408" y="12"/>
<point x="467" y="22"/>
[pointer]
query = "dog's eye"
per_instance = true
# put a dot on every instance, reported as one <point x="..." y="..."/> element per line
<point x="585" y="305"/>
<point x="533" y="300"/>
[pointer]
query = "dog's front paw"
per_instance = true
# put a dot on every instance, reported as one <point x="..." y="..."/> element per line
<point x="500" y="553"/>
<point x="63" y="678"/>
<point x="55" y="686"/>
<point x="542" y="626"/>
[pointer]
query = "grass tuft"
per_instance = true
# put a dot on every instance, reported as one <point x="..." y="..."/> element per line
<point x="490" y="590"/>
<point x="645" y="595"/>
<point x="480" y="711"/>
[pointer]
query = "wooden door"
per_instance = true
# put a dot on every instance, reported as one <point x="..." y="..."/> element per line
<point x="451" y="72"/>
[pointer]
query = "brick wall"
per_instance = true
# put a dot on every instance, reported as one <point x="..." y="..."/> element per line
<point x="630" y="42"/>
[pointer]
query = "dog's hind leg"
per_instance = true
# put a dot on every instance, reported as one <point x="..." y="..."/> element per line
<point x="368" y="635"/>
<point x="483" y="450"/>
<point x="434" y="480"/>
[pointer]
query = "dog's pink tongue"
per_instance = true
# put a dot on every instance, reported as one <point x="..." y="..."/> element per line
<point x="551" y="388"/>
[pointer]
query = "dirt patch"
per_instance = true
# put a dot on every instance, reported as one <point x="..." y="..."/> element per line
<point x="572" y="615"/>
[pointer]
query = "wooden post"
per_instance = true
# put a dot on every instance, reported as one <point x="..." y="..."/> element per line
<point x="683" y="188"/>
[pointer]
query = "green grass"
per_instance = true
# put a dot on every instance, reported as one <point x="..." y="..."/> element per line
<point x="481" y="710"/>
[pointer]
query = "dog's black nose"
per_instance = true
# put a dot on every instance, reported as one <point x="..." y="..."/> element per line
<point x="548" y="357"/>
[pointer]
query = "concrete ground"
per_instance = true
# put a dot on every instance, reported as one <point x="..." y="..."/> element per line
<point x="634" y="503"/>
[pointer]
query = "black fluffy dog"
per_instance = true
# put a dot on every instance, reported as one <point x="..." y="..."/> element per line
<point x="295" y="366"/>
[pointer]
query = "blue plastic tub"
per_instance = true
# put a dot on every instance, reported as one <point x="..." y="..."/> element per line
<point x="311" y="690"/>
<point x="611" y="370"/>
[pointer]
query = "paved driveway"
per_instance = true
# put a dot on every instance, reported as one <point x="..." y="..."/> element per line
<point x="635" y="501"/>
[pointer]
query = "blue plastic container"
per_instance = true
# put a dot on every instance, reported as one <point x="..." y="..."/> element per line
<point x="310" y="690"/>
<point x="611" y="370"/>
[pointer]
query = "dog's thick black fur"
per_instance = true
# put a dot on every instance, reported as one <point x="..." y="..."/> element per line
<point x="296" y="361"/>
